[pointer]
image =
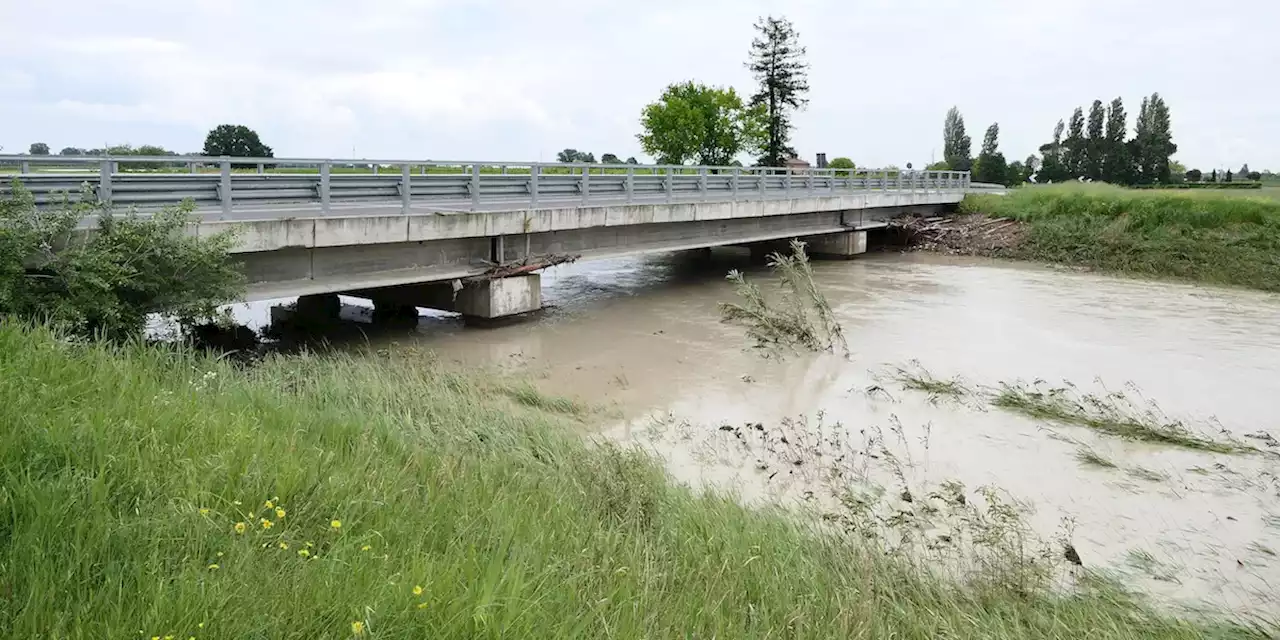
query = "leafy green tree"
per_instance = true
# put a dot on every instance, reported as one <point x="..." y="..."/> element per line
<point x="956" y="149"/>
<point x="696" y="123"/>
<point x="777" y="61"/>
<point x="1117" y="166"/>
<point x="1074" y="155"/>
<point x="1052" y="168"/>
<point x="107" y="282"/>
<point x="941" y="165"/>
<point x="844" y="164"/>
<point x="1229" y="176"/>
<point x="1254" y="175"/>
<point x="1194" y="175"/>
<point x="1152" y="144"/>
<point x="1213" y="176"/>
<point x="609" y="158"/>
<point x="71" y="151"/>
<point x="235" y="140"/>
<point x="632" y="160"/>
<point x="38" y="149"/>
<point x="1016" y="173"/>
<point x="568" y="155"/>
<point x="1244" y="170"/>
<point x="1095" y="142"/>
<point x="990" y="165"/>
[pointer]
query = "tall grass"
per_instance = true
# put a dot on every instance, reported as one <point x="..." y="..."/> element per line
<point x="125" y="471"/>
<point x="1196" y="235"/>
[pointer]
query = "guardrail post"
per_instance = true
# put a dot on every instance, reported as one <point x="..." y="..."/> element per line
<point x="406" y="189"/>
<point x="104" y="182"/>
<point x="375" y="168"/>
<point x="534" y="170"/>
<point x="475" y="187"/>
<point x="24" y="166"/>
<point x="225" y="186"/>
<point x="631" y="185"/>
<point x="324" y="186"/>
<point x="191" y="167"/>
<point x="586" y="184"/>
<point x="261" y="169"/>
<point x="787" y="182"/>
<point x="737" y="178"/>
<point x="702" y="182"/>
<point x="668" y="184"/>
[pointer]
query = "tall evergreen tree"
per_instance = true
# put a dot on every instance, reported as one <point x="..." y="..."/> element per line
<point x="1116" y="163"/>
<point x="1152" y="143"/>
<point x="1052" y="168"/>
<point x="777" y="60"/>
<point x="990" y="165"/>
<point x="1095" y="142"/>
<point x="956" y="146"/>
<point x="1073" y="154"/>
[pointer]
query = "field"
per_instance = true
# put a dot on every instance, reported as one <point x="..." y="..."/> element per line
<point x="1215" y="237"/>
<point x="150" y="492"/>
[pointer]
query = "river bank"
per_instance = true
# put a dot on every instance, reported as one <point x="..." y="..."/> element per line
<point x="150" y="491"/>
<point x="1204" y="237"/>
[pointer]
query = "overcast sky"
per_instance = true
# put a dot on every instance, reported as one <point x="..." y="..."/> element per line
<point x="520" y="80"/>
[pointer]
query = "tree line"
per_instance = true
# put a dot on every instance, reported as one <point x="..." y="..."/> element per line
<point x="234" y="140"/>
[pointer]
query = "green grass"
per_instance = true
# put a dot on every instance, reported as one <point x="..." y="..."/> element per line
<point x="1216" y="237"/>
<point x="917" y="378"/>
<point x="1090" y="458"/>
<point x="124" y="470"/>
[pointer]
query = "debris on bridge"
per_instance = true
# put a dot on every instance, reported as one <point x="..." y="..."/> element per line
<point x="959" y="235"/>
<point x="528" y="264"/>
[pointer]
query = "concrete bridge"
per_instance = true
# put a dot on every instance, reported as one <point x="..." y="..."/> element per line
<point x="470" y="236"/>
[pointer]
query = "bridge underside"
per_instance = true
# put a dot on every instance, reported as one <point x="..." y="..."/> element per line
<point x="305" y="270"/>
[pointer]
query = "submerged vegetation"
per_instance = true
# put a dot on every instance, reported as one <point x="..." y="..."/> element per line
<point x="1209" y="237"/>
<point x="150" y="491"/>
<point x="799" y="316"/>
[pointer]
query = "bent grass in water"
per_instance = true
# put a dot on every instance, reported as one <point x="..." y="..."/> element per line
<point x="800" y="316"/>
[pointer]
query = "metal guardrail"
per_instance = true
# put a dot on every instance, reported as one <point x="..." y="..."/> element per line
<point x="222" y="183"/>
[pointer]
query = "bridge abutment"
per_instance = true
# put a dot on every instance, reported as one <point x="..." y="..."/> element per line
<point x="484" y="300"/>
<point x="837" y="246"/>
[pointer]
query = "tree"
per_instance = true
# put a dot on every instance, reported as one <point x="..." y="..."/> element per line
<point x="235" y="140"/>
<point x="1255" y="176"/>
<point x="955" y="142"/>
<point x="1052" y="168"/>
<point x="1213" y="177"/>
<point x="632" y="160"/>
<point x="842" y="163"/>
<point x="1095" y="143"/>
<point x="990" y="165"/>
<point x="609" y="158"/>
<point x="107" y="282"/>
<point x="1152" y="144"/>
<point x="38" y="149"/>
<point x="1074" y="155"/>
<point x="1194" y="175"/>
<point x="1244" y="170"/>
<point x="71" y="151"/>
<point x="941" y="165"/>
<point x="568" y="155"/>
<point x="1228" y="177"/>
<point x="694" y="122"/>
<point x="1177" y="171"/>
<point x="587" y="158"/>
<point x="777" y="61"/>
<point x="1117" y="167"/>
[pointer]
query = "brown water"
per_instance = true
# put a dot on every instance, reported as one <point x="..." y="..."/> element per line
<point x="642" y="338"/>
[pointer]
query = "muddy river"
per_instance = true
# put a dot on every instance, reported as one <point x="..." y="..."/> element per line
<point x="642" y="339"/>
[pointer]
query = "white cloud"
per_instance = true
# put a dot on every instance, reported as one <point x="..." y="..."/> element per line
<point x="520" y="80"/>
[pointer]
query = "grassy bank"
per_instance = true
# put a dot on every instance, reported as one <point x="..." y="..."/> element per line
<point x="146" y="492"/>
<point x="1211" y="237"/>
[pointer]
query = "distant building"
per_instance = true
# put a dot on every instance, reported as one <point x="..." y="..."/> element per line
<point x="822" y="161"/>
<point x="796" y="164"/>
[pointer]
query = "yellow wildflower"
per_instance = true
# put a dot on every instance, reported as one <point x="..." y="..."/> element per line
<point x="284" y="545"/>
<point x="357" y="628"/>
<point x="240" y="527"/>
<point x="417" y="591"/>
<point x="269" y="504"/>
<point x="266" y="524"/>
<point x="304" y="553"/>
<point x="204" y="511"/>
<point x="168" y="638"/>
<point x="335" y="524"/>
<point x="279" y="513"/>
<point x="422" y="605"/>
<point x="309" y="544"/>
<point x="201" y="625"/>
<point x="236" y="503"/>
<point x="365" y="548"/>
<point x="214" y="566"/>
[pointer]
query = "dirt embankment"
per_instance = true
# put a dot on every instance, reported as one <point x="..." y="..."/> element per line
<point x="968" y="234"/>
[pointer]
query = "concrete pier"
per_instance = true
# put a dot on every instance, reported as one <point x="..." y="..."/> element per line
<point x="837" y="245"/>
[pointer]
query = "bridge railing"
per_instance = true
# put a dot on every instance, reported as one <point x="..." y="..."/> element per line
<point x="221" y="184"/>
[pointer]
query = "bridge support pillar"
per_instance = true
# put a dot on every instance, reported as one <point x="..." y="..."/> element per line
<point x="482" y="301"/>
<point x="837" y="246"/>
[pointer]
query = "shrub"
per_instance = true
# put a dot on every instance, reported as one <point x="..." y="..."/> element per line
<point x="106" y="279"/>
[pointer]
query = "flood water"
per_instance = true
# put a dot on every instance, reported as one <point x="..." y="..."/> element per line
<point x="642" y="338"/>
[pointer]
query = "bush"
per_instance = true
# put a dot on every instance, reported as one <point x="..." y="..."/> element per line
<point x="106" y="280"/>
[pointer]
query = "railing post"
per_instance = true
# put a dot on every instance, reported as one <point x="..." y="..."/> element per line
<point x="787" y="182"/>
<point x="631" y="185"/>
<point x="534" y="170"/>
<point x="191" y="167"/>
<point x="324" y="186"/>
<point x="261" y="169"/>
<point x="24" y="166"/>
<point x="669" y="184"/>
<point x="737" y="178"/>
<point x="375" y="168"/>
<point x="586" y="184"/>
<point x="475" y="187"/>
<point x="702" y="182"/>
<point x="104" y="182"/>
<point x="225" y="184"/>
<point x="406" y="189"/>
